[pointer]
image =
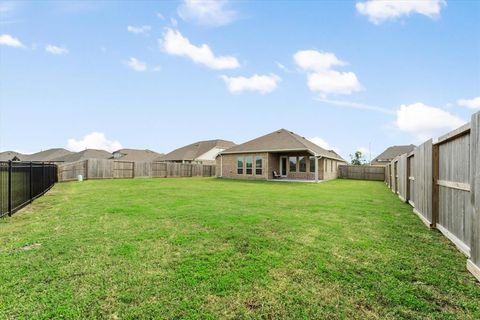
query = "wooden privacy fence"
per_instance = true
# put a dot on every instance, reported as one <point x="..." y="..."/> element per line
<point x="376" y="173"/>
<point x="114" y="169"/>
<point x="441" y="181"/>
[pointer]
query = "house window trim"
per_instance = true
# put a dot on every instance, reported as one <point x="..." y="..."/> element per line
<point x="258" y="157"/>
<point x="299" y="165"/>
<point x="290" y="165"/>
<point x="243" y="165"/>
<point x="246" y="166"/>
<point x="311" y="168"/>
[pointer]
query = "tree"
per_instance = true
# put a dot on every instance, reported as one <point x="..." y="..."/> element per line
<point x="358" y="159"/>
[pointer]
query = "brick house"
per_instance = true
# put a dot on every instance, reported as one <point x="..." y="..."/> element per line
<point x="283" y="154"/>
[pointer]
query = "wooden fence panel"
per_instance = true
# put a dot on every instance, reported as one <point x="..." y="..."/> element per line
<point x="107" y="169"/>
<point x="70" y="171"/>
<point x="411" y="179"/>
<point x="159" y="169"/>
<point x="142" y="169"/>
<point x="122" y="169"/>
<point x="374" y="173"/>
<point x="402" y="176"/>
<point x="99" y="169"/>
<point x="473" y="264"/>
<point x="454" y="201"/>
<point x="423" y="181"/>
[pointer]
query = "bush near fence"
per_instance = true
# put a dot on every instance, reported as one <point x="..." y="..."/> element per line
<point x="114" y="169"/>
<point x="374" y="173"/>
<point x="22" y="182"/>
<point x="442" y="182"/>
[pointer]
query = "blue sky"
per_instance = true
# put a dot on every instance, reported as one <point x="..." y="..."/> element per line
<point x="160" y="75"/>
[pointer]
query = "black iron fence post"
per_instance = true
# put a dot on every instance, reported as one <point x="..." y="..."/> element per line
<point x="9" y="188"/>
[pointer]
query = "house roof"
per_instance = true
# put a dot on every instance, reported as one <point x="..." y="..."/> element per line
<point x="391" y="152"/>
<point x="49" y="155"/>
<point x="194" y="150"/>
<point x="85" y="154"/>
<point x="12" y="155"/>
<point x="282" y="140"/>
<point x="137" y="155"/>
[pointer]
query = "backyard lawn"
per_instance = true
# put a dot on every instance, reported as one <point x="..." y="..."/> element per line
<point x="212" y="248"/>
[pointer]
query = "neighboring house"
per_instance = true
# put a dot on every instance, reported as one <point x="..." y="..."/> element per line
<point x="49" y="155"/>
<point x="203" y="152"/>
<point x="83" y="155"/>
<point x="135" y="155"/>
<point x="12" y="155"/>
<point x="390" y="153"/>
<point x="286" y="153"/>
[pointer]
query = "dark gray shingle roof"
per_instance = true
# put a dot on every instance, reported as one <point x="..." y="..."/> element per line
<point x="391" y="152"/>
<point x="282" y="140"/>
<point x="194" y="150"/>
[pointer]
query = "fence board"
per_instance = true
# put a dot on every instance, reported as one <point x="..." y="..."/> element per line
<point x="402" y="177"/>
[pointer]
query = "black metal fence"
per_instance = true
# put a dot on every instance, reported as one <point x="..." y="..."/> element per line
<point x="21" y="182"/>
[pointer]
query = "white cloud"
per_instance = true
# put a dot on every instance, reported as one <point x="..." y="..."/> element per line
<point x="207" y="12"/>
<point x="139" y="29"/>
<point x="160" y="16"/>
<point x="56" y="50"/>
<point x="355" y="105"/>
<point x="261" y="83"/>
<point x="324" y="144"/>
<point x="282" y="67"/>
<point x="321" y="78"/>
<point x="137" y="65"/>
<point x="94" y="140"/>
<point x="175" y="43"/>
<point x="336" y="82"/>
<point x="8" y="40"/>
<point x="379" y="11"/>
<point x="473" y="103"/>
<point x="425" y="122"/>
<point x="312" y="60"/>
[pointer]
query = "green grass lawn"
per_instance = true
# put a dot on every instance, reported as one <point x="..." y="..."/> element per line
<point x="211" y="248"/>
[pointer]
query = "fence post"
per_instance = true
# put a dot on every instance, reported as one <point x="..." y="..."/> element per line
<point x="30" y="187"/>
<point x="435" y="187"/>
<point x="10" y="188"/>
<point x="473" y="264"/>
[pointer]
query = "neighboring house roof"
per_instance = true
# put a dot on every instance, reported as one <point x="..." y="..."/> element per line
<point x="195" y="150"/>
<point x="391" y="152"/>
<point x="282" y="140"/>
<point x="136" y="155"/>
<point x="49" y="155"/>
<point x="12" y="155"/>
<point x="85" y="154"/>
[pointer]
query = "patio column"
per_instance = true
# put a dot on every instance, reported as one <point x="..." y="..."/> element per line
<point x="221" y="166"/>
<point x="316" y="168"/>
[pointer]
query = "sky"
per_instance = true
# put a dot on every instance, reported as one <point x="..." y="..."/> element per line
<point x="349" y="75"/>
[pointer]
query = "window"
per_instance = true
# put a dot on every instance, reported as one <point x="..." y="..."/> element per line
<point x="239" y="165"/>
<point x="312" y="164"/>
<point x="302" y="164"/>
<point x="258" y="165"/>
<point x="249" y="165"/>
<point x="293" y="164"/>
